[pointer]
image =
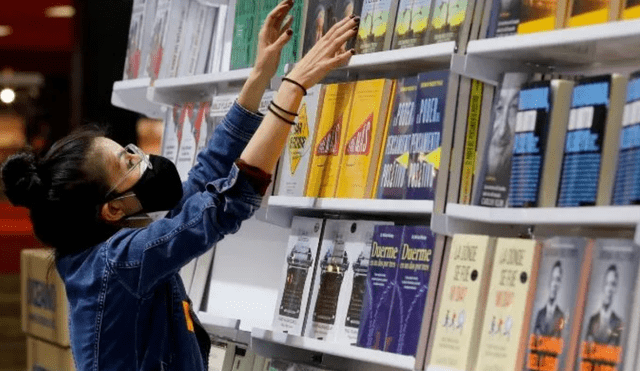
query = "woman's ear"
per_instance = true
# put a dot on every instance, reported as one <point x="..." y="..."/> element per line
<point x="113" y="211"/>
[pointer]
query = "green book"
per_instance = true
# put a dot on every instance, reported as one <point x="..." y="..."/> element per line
<point x="243" y="50"/>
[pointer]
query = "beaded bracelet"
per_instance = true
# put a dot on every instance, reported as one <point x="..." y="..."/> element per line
<point x="280" y="116"/>
<point x="295" y="83"/>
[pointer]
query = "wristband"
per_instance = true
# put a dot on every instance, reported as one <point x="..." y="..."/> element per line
<point x="283" y="110"/>
<point x="280" y="116"/>
<point x="295" y="83"/>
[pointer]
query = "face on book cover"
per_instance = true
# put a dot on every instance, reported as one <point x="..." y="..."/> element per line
<point x="506" y="111"/>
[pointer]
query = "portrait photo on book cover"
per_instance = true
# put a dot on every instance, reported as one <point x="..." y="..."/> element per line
<point x="605" y="325"/>
<point x="550" y="318"/>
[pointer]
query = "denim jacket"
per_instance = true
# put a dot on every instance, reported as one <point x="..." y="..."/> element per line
<point x="128" y="306"/>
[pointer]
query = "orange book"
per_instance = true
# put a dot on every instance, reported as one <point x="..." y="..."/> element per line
<point x="328" y="146"/>
<point x="364" y="138"/>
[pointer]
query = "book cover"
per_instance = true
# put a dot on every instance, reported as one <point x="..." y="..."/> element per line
<point x="424" y="158"/>
<point x="625" y="191"/>
<point x="201" y="19"/>
<point x="345" y="8"/>
<point x="631" y="9"/>
<point x="244" y="34"/>
<point x="227" y="49"/>
<point x="412" y="24"/>
<point x="392" y="183"/>
<point x="608" y="306"/>
<point x="204" y="126"/>
<point x="158" y="39"/>
<point x="328" y="146"/>
<point x="187" y="149"/>
<point x="586" y="12"/>
<point x="220" y="106"/>
<point x="136" y="39"/>
<point x="457" y="149"/>
<point x="364" y="138"/>
<point x="340" y="281"/>
<point x="376" y="26"/>
<point x="541" y="16"/>
<point x="381" y="281"/>
<point x="556" y="318"/>
<point x="297" y="275"/>
<point x="216" y="49"/>
<point x="531" y="131"/>
<point x="461" y="308"/>
<point x="319" y="19"/>
<point x="175" y="43"/>
<point x="591" y="141"/>
<point x="411" y="289"/>
<point x="509" y="304"/>
<point x="484" y="131"/>
<point x="291" y="51"/>
<point x="446" y="20"/>
<point x="170" y="140"/>
<point x="471" y="142"/>
<point x="496" y="166"/>
<point x="297" y="152"/>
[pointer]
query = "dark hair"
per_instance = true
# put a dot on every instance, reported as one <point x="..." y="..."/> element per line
<point x="558" y="265"/>
<point x="64" y="191"/>
<point x="611" y="268"/>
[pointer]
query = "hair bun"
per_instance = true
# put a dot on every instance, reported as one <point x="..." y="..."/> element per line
<point x="22" y="183"/>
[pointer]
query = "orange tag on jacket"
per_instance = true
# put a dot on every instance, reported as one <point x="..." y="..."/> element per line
<point x="187" y="316"/>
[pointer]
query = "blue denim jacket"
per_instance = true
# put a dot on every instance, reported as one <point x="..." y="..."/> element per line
<point x="128" y="306"/>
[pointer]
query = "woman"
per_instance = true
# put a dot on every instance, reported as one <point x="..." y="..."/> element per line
<point x="128" y="306"/>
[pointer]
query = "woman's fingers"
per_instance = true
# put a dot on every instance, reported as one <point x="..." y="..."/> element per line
<point x="344" y="37"/>
<point x="341" y="59"/>
<point x="287" y="25"/>
<point x="284" y="38"/>
<point x="275" y="17"/>
<point x="339" y="24"/>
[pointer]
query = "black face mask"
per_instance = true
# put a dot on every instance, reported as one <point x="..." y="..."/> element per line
<point x="160" y="188"/>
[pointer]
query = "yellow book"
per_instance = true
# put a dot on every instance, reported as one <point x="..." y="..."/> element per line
<point x="509" y="304"/>
<point x="545" y="15"/>
<point x="328" y="145"/>
<point x="631" y="9"/>
<point x="365" y="134"/>
<point x="462" y="303"/>
<point x="586" y="12"/>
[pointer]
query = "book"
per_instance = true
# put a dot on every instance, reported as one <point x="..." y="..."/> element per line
<point x="412" y="24"/>
<point x="187" y="149"/>
<point x="555" y="325"/>
<point x="585" y="12"/>
<point x="541" y="126"/>
<point x="364" y="138"/>
<point x="625" y="191"/>
<point x="297" y="275"/>
<point x="381" y="281"/>
<point x="447" y="19"/>
<point x="457" y="151"/>
<point x="291" y="51"/>
<point x="504" y="18"/>
<point x="173" y="44"/>
<point x="217" y="45"/>
<point x="592" y="140"/>
<point x="471" y="141"/>
<point x="297" y="152"/>
<point x="630" y="9"/>
<point x="377" y="22"/>
<point x="339" y="285"/>
<point x="426" y="137"/>
<point x="346" y="8"/>
<point x="484" y="130"/>
<point x="495" y="174"/>
<point x="244" y="34"/>
<point x="542" y="16"/>
<point x="328" y="146"/>
<point x="158" y="39"/>
<point x="608" y="306"/>
<point x="320" y="17"/>
<point x="227" y="48"/>
<point x="461" y="306"/>
<point x="509" y="305"/>
<point x="220" y="105"/>
<point x="138" y="34"/>
<point x="394" y="166"/>
<point x="170" y="141"/>
<point x="409" y="307"/>
<point x="198" y="39"/>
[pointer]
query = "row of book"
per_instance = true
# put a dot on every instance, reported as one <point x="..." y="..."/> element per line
<point x="509" y="17"/>
<point x="356" y="282"/>
<point x="559" y="142"/>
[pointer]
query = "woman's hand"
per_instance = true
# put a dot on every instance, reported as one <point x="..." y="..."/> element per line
<point x="327" y="54"/>
<point x="273" y="36"/>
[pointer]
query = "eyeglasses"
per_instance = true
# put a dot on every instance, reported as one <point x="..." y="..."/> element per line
<point x="139" y="157"/>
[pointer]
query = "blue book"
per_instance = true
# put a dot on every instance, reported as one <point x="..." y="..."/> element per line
<point x="395" y="161"/>
<point x="424" y="157"/>
<point x="626" y="189"/>
<point x="412" y="284"/>
<point x="530" y="139"/>
<point x="584" y="142"/>
<point x="379" y="291"/>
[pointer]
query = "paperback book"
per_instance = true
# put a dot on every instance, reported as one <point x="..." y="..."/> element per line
<point x="626" y="191"/>
<point x="376" y="26"/>
<point x="412" y="24"/>
<point x="447" y="19"/>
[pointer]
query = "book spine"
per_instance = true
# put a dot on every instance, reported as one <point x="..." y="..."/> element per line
<point x="471" y="141"/>
<point x="625" y="192"/>
<point x="243" y="34"/>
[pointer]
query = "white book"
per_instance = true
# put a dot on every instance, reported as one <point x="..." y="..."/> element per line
<point x="135" y="41"/>
<point x="187" y="151"/>
<point x="228" y="37"/>
<point x="216" y="49"/>
<point x="220" y="106"/>
<point x="170" y="136"/>
<point x="297" y="152"/>
<point x="197" y="39"/>
<point x="208" y="33"/>
<point x="166" y="38"/>
<point x="297" y="275"/>
<point x="340" y="281"/>
<point x="150" y="7"/>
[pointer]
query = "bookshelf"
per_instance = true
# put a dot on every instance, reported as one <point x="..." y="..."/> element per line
<point x="132" y="95"/>
<point x="325" y="354"/>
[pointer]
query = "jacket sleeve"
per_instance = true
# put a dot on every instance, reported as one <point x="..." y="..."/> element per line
<point x="226" y="144"/>
<point x="163" y="247"/>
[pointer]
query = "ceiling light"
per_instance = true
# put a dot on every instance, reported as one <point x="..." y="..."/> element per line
<point x="5" y="31"/>
<point x="7" y="95"/>
<point x="60" y="11"/>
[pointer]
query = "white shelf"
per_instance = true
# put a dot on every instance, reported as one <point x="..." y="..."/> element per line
<point x="132" y="95"/>
<point x="325" y="354"/>
<point x="580" y="46"/>
<point x="282" y="208"/>
<point x="197" y="88"/>
<point x="225" y="328"/>
<point x="558" y="220"/>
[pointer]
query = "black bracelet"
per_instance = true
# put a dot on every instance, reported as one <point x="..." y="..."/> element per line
<point x="295" y="83"/>
<point x="280" y="116"/>
<point x="283" y="110"/>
